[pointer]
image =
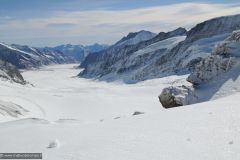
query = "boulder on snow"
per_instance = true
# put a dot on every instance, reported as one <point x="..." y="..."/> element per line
<point x="177" y="96"/>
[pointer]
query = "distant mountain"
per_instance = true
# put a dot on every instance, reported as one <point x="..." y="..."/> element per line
<point x="95" y="47"/>
<point x="25" y="57"/>
<point x="126" y="61"/>
<point x="163" y="55"/>
<point x="14" y="57"/>
<point x="79" y="52"/>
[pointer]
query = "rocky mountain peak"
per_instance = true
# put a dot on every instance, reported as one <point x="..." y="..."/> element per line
<point x="214" y="26"/>
<point x="135" y="37"/>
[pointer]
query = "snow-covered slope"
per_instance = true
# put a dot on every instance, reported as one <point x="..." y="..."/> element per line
<point x="132" y="69"/>
<point x="91" y="120"/>
<point x="127" y="62"/>
<point x="199" y="43"/>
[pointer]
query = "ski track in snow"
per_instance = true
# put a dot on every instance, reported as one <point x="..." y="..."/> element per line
<point x="72" y="119"/>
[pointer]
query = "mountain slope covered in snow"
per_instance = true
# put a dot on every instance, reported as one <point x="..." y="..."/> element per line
<point x="180" y="59"/>
<point x="213" y="77"/>
<point x="120" y="62"/>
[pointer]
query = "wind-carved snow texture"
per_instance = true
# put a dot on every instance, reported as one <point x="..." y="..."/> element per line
<point x="211" y="76"/>
<point x="9" y="109"/>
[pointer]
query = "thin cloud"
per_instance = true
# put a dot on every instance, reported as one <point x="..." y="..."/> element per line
<point x="101" y="23"/>
<point x="61" y="25"/>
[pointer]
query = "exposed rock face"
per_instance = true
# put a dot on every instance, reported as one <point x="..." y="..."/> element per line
<point x="177" y="96"/>
<point x="9" y="72"/>
<point x="224" y="57"/>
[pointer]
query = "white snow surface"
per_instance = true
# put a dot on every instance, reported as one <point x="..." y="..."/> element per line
<point x="92" y="120"/>
<point x="58" y="94"/>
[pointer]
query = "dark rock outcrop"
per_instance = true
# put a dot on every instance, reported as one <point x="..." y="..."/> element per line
<point x="9" y="72"/>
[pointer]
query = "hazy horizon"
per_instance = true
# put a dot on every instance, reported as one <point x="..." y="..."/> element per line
<point x="52" y="23"/>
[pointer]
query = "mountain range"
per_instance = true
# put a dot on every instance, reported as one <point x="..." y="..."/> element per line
<point x="79" y="52"/>
<point x="174" y="52"/>
<point x="14" y="57"/>
<point x="136" y="57"/>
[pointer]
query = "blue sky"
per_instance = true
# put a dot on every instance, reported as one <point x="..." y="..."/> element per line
<point x="53" y="22"/>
